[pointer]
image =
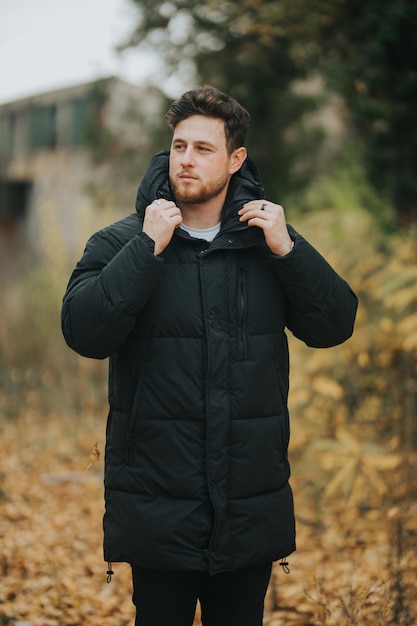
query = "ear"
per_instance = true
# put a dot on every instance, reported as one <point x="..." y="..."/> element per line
<point x="236" y="159"/>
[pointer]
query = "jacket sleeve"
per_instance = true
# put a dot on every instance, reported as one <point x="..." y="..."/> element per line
<point x="321" y="305"/>
<point x="109" y="286"/>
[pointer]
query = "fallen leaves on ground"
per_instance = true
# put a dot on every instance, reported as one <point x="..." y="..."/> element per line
<point x="355" y="564"/>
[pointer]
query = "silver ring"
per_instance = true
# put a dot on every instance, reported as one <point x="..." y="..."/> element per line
<point x="157" y="201"/>
<point x="263" y="207"/>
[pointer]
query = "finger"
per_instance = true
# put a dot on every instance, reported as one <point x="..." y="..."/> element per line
<point x="172" y="211"/>
<point x="161" y="202"/>
<point x="254" y="213"/>
<point x="158" y="207"/>
<point x="254" y="206"/>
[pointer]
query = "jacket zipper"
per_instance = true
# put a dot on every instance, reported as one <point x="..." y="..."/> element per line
<point x="210" y="486"/>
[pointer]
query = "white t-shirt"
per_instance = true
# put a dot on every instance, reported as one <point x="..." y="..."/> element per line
<point x="202" y="233"/>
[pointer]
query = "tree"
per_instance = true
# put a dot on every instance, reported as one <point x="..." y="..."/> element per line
<point x="365" y="49"/>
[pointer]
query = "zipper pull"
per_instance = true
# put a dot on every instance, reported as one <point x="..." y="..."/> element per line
<point x="109" y="572"/>
<point x="285" y="566"/>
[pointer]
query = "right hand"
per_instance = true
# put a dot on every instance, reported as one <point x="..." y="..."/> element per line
<point x="162" y="217"/>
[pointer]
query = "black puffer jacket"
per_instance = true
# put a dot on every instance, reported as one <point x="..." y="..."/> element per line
<point x="196" y="472"/>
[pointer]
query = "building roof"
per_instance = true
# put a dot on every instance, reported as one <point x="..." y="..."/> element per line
<point x="65" y="93"/>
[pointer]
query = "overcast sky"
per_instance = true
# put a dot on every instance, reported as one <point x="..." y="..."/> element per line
<point x="48" y="44"/>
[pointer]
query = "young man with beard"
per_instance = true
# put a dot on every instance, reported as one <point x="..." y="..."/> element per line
<point x="190" y="299"/>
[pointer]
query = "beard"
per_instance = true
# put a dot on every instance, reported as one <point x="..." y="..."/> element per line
<point x="198" y="192"/>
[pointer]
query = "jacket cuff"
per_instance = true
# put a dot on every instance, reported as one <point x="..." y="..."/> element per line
<point x="148" y="241"/>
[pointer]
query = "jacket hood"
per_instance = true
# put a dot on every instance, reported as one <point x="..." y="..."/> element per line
<point x="245" y="185"/>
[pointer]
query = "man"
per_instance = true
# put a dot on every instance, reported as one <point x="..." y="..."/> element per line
<point x="190" y="298"/>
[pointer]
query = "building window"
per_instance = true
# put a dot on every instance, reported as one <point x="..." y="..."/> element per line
<point x="14" y="205"/>
<point x="81" y="115"/>
<point x="6" y="135"/>
<point x="43" y="127"/>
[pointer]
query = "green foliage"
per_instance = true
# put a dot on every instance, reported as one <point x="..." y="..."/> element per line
<point x="343" y="187"/>
<point x="368" y="52"/>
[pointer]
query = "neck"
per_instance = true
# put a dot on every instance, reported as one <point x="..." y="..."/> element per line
<point x="203" y="215"/>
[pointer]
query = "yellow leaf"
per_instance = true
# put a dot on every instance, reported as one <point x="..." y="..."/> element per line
<point x="328" y="387"/>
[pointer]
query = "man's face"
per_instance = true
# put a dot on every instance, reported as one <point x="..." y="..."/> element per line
<point x="199" y="166"/>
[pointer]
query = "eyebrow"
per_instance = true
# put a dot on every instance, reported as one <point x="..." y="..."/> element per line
<point x="197" y="141"/>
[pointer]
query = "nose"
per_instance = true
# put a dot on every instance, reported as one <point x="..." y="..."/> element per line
<point x="187" y="157"/>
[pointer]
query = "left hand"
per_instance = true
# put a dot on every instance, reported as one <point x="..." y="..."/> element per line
<point x="271" y="218"/>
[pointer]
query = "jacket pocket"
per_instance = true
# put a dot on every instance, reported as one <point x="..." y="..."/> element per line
<point x="133" y="425"/>
<point x="117" y="427"/>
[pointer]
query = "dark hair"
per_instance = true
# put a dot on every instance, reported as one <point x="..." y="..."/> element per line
<point x="210" y="101"/>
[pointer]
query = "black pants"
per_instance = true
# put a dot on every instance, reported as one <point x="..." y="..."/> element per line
<point x="229" y="599"/>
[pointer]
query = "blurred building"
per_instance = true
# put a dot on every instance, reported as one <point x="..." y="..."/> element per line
<point x="69" y="156"/>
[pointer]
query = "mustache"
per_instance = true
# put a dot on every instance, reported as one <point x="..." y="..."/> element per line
<point x="185" y="171"/>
